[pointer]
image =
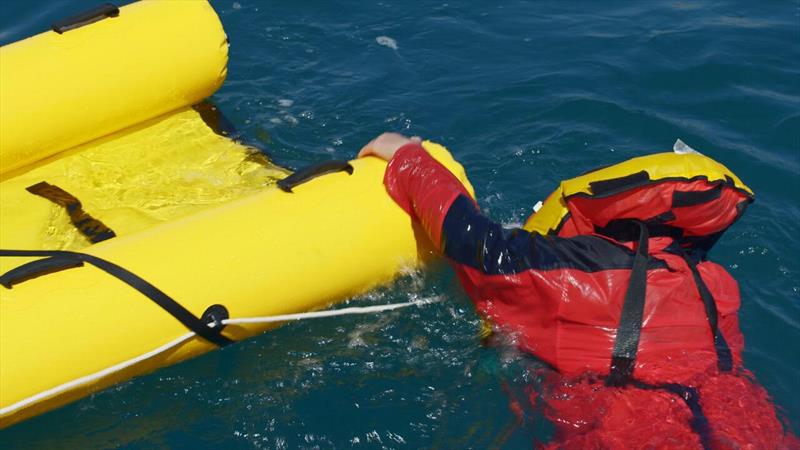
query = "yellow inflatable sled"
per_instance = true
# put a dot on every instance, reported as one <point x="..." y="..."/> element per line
<point x="133" y="235"/>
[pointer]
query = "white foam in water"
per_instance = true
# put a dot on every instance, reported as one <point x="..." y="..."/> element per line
<point x="512" y="225"/>
<point x="386" y="41"/>
<point x="285" y="102"/>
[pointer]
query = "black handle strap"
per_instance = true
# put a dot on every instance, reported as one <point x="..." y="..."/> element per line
<point x="629" y="330"/>
<point x="94" y="230"/>
<point x="37" y="268"/>
<point x="85" y="18"/>
<point x="183" y="315"/>
<point x="309" y="173"/>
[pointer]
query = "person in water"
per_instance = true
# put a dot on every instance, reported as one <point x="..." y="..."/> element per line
<point x="661" y="380"/>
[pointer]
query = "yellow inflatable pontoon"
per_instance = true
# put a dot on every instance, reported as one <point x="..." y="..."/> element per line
<point x="130" y="229"/>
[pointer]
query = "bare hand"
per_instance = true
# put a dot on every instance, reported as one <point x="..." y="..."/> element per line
<point x="385" y="145"/>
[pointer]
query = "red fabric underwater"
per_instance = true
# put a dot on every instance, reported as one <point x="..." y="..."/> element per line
<point x="589" y="415"/>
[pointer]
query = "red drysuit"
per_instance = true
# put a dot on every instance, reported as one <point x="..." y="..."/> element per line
<point x="562" y="298"/>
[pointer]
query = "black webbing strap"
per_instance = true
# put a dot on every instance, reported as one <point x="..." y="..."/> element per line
<point x="681" y="199"/>
<point x="724" y="358"/>
<point x="616" y="185"/>
<point x="93" y="229"/>
<point x="169" y="305"/>
<point x="691" y="397"/>
<point x="626" y="344"/>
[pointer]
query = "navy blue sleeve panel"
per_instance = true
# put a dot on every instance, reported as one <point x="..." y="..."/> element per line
<point x="472" y="239"/>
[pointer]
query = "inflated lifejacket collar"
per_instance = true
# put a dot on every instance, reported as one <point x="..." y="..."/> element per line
<point x="688" y="197"/>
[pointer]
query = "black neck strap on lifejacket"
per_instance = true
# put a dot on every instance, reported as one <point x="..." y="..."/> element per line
<point x="59" y="259"/>
<point x="724" y="356"/>
<point x="629" y="330"/>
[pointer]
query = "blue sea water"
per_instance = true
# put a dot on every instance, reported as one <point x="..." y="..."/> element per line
<point x="524" y="93"/>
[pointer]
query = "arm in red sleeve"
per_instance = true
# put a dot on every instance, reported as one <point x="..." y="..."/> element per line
<point x="423" y="187"/>
<point x="436" y="198"/>
<point x="432" y="195"/>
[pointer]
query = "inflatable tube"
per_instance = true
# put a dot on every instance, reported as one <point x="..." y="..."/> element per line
<point x="270" y="253"/>
<point x="193" y="225"/>
<point x="61" y="90"/>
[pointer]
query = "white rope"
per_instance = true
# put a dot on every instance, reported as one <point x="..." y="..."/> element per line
<point x="329" y="313"/>
<point x="174" y="343"/>
<point x="93" y="377"/>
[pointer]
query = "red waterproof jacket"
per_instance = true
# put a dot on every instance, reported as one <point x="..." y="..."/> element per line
<point x="564" y="297"/>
